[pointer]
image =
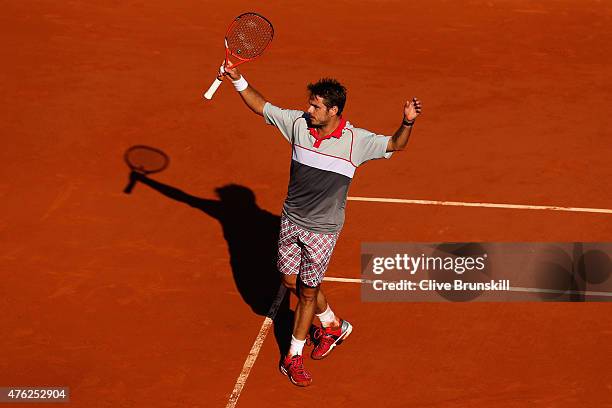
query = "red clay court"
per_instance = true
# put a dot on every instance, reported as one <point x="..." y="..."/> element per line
<point x="154" y="299"/>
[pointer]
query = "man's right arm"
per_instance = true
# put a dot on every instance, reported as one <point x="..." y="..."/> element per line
<point x="283" y="119"/>
<point x="253" y="99"/>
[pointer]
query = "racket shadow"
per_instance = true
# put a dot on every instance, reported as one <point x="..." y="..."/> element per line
<point x="251" y="234"/>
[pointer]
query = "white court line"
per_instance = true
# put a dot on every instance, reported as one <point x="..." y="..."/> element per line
<point x="512" y="288"/>
<point x="485" y="205"/>
<point x="250" y="360"/>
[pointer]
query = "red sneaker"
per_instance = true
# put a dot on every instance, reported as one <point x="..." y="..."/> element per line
<point x="326" y="338"/>
<point x="293" y="367"/>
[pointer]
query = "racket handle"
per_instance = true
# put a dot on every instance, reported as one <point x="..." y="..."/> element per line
<point x="128" y="189"/>
<point x="213" y="88"/>
<point x="133" y="179"/>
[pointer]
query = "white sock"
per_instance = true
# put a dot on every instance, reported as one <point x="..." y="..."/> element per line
<point x="296" y="346"/>
<point x="327" y="317"/>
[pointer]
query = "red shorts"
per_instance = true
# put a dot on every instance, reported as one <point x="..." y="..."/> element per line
<point x="304" y="253"/>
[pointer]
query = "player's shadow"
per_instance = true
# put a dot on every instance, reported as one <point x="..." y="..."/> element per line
<point x="252" y="237"/>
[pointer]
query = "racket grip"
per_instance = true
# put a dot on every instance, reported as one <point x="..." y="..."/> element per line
<point x="213" y="88"/>
<point x="128" y="189"/>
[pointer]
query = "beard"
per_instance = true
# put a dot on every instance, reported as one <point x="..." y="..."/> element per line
<point x="310" y="123"/>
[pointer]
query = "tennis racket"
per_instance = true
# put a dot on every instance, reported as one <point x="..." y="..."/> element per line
<point x="144" y="160"/>
<point x="246" y="39"/>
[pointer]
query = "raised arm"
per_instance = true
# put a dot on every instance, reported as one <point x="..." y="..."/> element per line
<point x="253" y="99"/>
<point x="400" y="138"/>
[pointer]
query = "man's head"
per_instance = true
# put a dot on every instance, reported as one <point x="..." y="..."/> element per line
<point x="327" y="98"/>
<point x="234" y="196"/>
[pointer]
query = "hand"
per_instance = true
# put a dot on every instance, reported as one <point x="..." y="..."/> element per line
<point x="412" y="109"/>
<point x="233" y="73"/>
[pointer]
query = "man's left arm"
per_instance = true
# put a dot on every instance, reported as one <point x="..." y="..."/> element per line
<point x="400" y="138"/>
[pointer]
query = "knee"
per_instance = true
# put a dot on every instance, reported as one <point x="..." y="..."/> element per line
<point x="308" y="295"/>
<point x="289" y="281"/>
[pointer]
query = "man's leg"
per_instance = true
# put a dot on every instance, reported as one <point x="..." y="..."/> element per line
<point x="325" y="314"/>
<point x="333" y="332"/>
<point x="316" y="253"/>
<point x="305" y="311"/>
<point x="293" y="363"/>
<point x="289" y="260"/>
<point x="290" y="282"/>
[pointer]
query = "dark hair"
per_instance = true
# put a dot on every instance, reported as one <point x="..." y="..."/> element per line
<point x="332" y="92"/>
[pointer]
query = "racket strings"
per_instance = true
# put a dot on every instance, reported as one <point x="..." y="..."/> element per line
<point x="146" y="160"/>
<point x="249" y="36"/>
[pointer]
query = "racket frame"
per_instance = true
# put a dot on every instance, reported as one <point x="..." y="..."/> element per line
<point x="219" y="79"/>
<point x="138" y="169"/>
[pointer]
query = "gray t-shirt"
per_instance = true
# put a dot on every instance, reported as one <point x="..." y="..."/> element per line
<point x="322" y="172"/>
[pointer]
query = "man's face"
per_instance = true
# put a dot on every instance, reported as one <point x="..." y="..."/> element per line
<point x="319" y="114"/>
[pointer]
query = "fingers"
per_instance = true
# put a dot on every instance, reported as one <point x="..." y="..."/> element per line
<point x="227" y="67"/>
<point x="416" y="104"/>
<point x="228" y="70"/>
<point x="412" y="109"/>
<point x="221" y="72"/>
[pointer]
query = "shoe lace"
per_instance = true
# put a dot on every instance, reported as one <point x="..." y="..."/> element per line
<point x="297" y="365"/>
<point x="320" y="336"/>
<point x="313" y="336"/>
<point x="318" y="333"/>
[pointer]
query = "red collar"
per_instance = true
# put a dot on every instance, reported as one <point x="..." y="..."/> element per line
<point x="336" y="133"/>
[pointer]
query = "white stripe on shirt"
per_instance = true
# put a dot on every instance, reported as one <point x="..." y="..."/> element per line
<point x="323" y="162"/>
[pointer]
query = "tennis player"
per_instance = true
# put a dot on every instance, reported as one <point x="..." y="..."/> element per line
<point x="326" y="150"/>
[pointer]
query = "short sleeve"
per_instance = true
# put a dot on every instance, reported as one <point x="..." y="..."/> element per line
<point x="369" y="146"/>
<point x="283" y="119"/>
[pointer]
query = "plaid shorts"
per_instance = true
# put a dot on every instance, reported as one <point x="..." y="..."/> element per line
<point x="304" y="253"/>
